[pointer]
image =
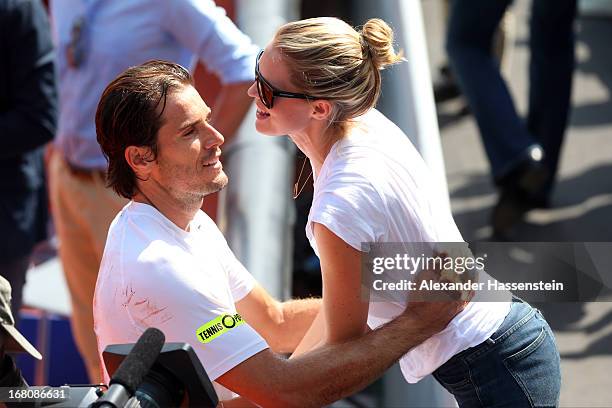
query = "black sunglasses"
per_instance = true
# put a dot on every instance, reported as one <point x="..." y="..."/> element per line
<point x="267" y="92"/>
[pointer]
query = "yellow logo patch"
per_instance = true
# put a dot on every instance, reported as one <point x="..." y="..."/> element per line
<point x="216" y="327"/>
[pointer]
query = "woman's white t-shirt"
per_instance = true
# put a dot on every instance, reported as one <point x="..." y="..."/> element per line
<point x="374" y="187"/>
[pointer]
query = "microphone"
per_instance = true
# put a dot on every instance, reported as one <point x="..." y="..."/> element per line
<point x="132" y="370"/>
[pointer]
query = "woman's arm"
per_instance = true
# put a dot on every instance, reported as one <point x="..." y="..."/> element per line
<point x="345" y="299"/>
<point x="283" y="325"/>
<point x="314" y="337"/>
<point x="345" y="302"/>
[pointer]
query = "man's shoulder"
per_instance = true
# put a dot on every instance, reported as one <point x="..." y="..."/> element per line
<point x="135" y="230"/>
<point x="136" y="216"/>
<point x="207" y="227"/>
<point x="139" y="244"/>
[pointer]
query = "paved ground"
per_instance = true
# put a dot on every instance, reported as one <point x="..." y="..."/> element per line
<point x="582" y="201"/>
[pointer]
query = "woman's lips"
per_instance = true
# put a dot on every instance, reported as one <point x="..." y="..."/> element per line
<point x="261" y="114"/>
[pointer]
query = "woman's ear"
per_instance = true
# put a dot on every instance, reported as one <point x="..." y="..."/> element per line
<point x="321" y="109"/>
<point x="139" y="158"/>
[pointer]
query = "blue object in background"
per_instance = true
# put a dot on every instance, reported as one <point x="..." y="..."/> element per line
<point x="28" y="326"/>
<point x="52" y="336"/>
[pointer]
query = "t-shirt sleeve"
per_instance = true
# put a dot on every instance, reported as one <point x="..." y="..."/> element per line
<point x="190" y="314"/>
<point x="241" y="282"/>
<point x="205" y="29"/>
<point x="351" y="208"/>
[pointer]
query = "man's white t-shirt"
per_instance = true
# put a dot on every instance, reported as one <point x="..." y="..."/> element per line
<point x="154" y="274"/>
<point x="374" y="187"/>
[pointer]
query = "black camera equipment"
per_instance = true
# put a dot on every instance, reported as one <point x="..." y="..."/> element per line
<point x="177" y="371"/>
<point x="143" y="376"/>
<point x="131" y="372"/>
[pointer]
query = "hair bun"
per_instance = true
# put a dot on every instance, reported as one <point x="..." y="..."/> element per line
<point x="377" y="36"/>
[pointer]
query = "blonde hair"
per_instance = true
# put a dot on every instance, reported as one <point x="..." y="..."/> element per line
<point x="329" y="59"/>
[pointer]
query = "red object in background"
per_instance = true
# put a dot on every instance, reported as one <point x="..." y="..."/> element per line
<point x="208" y="86"/>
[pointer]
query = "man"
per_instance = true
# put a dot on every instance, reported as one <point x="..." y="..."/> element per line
<point x="167" y="265"/>
<point x="11" y="340"/>
<point x="28" y="108"/>
<point x="96" y="41"/>
<point x="524" y="157"/>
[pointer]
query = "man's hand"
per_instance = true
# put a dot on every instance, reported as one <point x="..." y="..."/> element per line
<point x="436" y="308"/>
<point x="435" y="315"/>
<point x="334" y="371"/>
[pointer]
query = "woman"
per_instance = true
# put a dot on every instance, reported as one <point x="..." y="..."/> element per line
<point x="318" y="81"/>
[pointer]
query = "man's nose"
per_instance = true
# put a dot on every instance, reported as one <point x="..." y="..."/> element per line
<point x="213" y="138"/>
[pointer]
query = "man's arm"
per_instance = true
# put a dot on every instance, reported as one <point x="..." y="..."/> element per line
<point x="334" y="371"/>
<point x="230" y="108"/>
<point x="283" y="325"/>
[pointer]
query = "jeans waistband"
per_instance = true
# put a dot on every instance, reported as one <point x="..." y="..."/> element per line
<point x="513" y="321"/>
<point x="516" y="317"/>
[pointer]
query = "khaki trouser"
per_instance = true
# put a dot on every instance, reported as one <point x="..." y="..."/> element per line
<point x="82" y="209"/>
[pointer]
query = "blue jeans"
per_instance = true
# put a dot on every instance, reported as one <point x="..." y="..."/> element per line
<point x="471" y="26"/>
<point x="518" y="366"/>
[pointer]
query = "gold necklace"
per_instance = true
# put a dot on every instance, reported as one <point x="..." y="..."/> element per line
<point x="296" y="191"/>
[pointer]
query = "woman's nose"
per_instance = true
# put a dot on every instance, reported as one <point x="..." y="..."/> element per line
<point x="252" y="91"/>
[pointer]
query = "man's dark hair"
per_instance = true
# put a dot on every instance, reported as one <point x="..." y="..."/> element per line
<point x="130" y="114"/>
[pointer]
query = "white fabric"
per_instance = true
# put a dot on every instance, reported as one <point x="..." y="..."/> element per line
<point x="374" y="187"/>
<point x="154" y="274"/>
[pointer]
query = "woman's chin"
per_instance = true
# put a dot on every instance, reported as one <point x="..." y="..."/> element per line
<point x="265" y="130"/>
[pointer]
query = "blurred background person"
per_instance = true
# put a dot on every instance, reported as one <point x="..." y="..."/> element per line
<point x="96" y="41"/>
<point x="523" y="155"/>
<point x="446" y="87"/>
<point x="28" y="110"/>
